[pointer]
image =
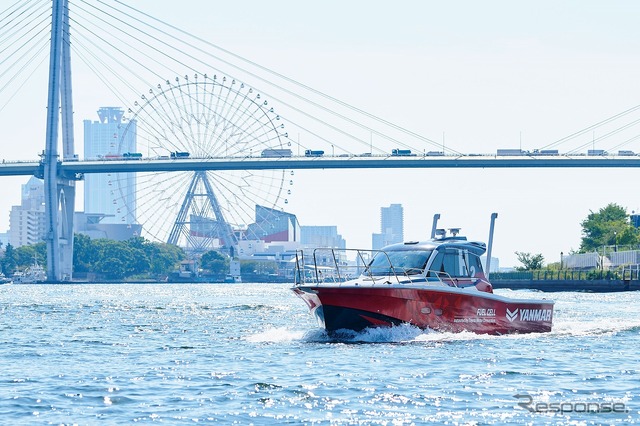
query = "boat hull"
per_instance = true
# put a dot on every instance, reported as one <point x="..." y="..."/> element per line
<point x="444" y="309"/>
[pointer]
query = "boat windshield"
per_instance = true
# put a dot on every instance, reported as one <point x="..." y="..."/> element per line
<point x="410" y="262"/>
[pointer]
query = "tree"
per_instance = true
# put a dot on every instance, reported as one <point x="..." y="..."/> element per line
<point x="214" y="262"/>
<point x="164" y="258"/>
<point x="26" y="255"/>
<point x="530" y="261"/>
<point x="85" y="253"/>
<point x="608" y="227"/>
<point x="9" y="263"/>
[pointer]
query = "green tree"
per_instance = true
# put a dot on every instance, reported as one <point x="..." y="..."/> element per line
<point x="26" y="255"/>
<point x="121" y="259"/>
<point x="112" y="268"/>
<point x="85" y="253"/>
<point x="258" y="267"/>
<point x="116" y="259"/>
<point x="165" y="258"/>
<point x="9" y="263"/>
<point x="215" y="262"/>
<point x="609" y="226"/>
<point x="530" y="262"/>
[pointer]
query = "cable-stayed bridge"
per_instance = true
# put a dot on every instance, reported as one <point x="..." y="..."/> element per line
<point x="73" y="168"/>
<point x="187" y="95"/>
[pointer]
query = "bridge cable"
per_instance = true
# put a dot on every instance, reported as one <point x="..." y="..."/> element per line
<point x="286" y="79"/>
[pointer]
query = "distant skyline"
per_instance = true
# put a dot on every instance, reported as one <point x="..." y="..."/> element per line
<point x="474" y="76"/>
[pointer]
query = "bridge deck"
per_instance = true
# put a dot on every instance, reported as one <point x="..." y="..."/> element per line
<point x="327" y="162"/>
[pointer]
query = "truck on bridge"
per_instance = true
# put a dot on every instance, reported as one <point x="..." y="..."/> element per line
<point x="271" y="153"/>
<point x="313" y="153"/>
<point x="402" y="153"/>
<point x="179" y="154"/>
<point x="132" y="155"/>
<point x="511" y="152"/>
<point x="545" y="152"/>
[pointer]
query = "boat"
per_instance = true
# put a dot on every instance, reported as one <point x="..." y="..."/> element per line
<point x="34" y="274"/>
<point x="436" y="284"/>
<point x="4" y="279"/>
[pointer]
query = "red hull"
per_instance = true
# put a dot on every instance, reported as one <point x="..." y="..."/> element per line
<point x="440" y="308"/>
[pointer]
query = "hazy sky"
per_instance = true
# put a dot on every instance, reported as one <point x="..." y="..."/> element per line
<point x="476" y="76"/>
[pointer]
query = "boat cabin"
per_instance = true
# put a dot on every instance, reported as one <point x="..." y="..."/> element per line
<point x="453" y="257"/>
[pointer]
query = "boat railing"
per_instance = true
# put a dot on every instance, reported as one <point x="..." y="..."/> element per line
<point x="441" y="277"/>
<point x="328" y="265"/>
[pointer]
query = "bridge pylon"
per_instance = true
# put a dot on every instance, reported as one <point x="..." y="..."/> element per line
<point x="59" y="188"/>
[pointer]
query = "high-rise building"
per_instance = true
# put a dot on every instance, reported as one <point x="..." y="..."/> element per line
<point x="321" y="236"/>
<point x="110" y="194"/>
<point x="27" y="223"/>
<point x="391" y="227"/>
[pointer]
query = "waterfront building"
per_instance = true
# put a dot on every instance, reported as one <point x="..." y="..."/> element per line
<point x="321" y="236"/>
<point x="91" y="225"/>
<point x="391" y="227"/>
<point x="111" y="195"/>
<point x="27" y="224"/>
<point x="494" y="266"/>
<point x="313" y="237"/>
<point x="273" y="225"/>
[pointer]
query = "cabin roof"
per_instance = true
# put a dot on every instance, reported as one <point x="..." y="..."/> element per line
<point x="453" y="242"/>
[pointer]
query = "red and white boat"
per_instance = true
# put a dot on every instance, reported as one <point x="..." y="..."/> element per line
<point x="437" y="284"/>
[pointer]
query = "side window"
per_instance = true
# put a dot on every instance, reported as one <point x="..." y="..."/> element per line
<point x="474" y="264"/>
<point x="436" y="266"/>
<point x="450" y="262"/>
<point x="455" y="263"/>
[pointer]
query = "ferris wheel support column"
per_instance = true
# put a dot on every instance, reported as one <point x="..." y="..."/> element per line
<point x="183" y="224"/>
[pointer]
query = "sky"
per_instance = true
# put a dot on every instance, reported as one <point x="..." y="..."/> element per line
<point x="473" y="76"/>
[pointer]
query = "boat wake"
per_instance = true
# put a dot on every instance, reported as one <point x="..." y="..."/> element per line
<point x="581" y="328"/>
<point x="406" y="333"/>
<point x="276" y="335"/>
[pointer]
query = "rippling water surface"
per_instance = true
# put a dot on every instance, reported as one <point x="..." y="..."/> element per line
<point x="252" y="354"/>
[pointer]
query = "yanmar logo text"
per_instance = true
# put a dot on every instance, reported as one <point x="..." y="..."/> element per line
<point x="529" y="314"/>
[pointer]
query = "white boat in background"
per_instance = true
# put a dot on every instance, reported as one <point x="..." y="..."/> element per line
<point x="32" y="275"/>
<point x="4" y="279"/>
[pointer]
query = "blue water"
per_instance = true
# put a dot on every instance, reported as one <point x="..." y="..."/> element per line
<point x="252" y="354"/>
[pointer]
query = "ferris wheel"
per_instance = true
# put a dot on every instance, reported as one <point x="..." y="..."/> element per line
<point x="202" y="117"/>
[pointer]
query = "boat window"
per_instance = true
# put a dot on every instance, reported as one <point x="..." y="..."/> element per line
<point x="452" y="263"/>
<point x="403" y="262"/>
<point x="437" y="267"/>
<point x="474" y="265"/>
<point x="455" y="262"/>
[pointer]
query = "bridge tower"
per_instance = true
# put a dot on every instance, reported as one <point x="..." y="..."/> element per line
<point x="60" y="189"/>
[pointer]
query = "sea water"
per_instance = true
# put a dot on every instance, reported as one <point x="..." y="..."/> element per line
<point x="252" y="354"/>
